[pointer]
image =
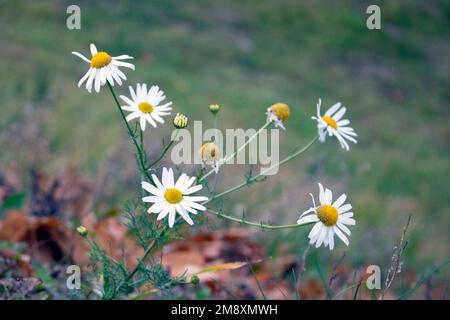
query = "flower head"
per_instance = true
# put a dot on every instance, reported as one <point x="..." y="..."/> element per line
<point x="82" y="231"/>
<point x="146" y="105"/>
<point x="329" y="217"/>
<point x="278" y="113"/>
<point x="103" y="67"/>
<point x="169" y="197"/>
<point x="180" y="121"/>
<point x="214" y="108"/>
<point x="209" y="152"/>
<point x="333" y="124"/>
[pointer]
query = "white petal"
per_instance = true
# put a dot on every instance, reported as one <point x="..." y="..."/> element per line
<point x="196" y="198"/>
<point x="152" y="199"/>
<point x="142" y="122"/>
<point x="133" y="115"/>
<point x="187" y="208"/>
<point x="322" y="235"/>
<point x="171" y="216"/>
<point x="314" y="231"/>
<point x="148" y="187"/>
<point x="193" y="189"/>
<point x="157" y="207"/>
<point x="93" y="49"/>
<point x="163" y="213"/>
<point x="344" y="208"/>
<point x="333" y="109"/>
<point x="79" y="55"/>
<point x="157" y="182"/>
<point x="86" y="75"/>
<point x="331" y="238"/>
<point x="328" y="196"/>
<point x="184" y="214"/>
<point x="341" y="235"/>
<point x="308" y="219"/>
<point x="127" y="100"/>
<point x="340" y="201"/>
<point x="194" y="205"/>
<point x="170" y="180"/>
<point x="181" y="180"/>
<point x="123" y="64"/>
<point x="321" y="194"/>
<point x="128" y="108"/>
<point x="349" y="221"/>
<point x="342" y="227"/>
<point x="123" y="57"/>
<point x="346" y="215"/>
<point x="188" y="183"/>
<point x="314" y="237"/>
<point x="150" y="120"/>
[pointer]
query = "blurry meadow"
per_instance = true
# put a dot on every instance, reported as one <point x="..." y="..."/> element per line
<point x="243" y="55"/>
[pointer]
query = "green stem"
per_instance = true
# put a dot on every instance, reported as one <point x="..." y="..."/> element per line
<point x="133" y="272"/>
<point x="262" y="173"/>
<point x="139" y="152"/>
<point x="166" y="148"/>
<point x="257" y="224"/>
<point x="237" y="151"/>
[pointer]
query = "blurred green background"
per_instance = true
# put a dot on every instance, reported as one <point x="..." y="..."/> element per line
<point x="246" y="55"/>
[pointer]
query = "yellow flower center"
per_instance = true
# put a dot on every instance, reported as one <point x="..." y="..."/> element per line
<point x="281" y="110"/>
<point x="328" y="215"/>
<point x="173" y="195"/>
<point x="145" y="107"/>
<point x="100" y="59"/>
<point x="330" y="121"/>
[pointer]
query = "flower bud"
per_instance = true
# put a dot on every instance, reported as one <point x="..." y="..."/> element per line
<point x="214" y="108"/>
<point x="180" y="121"/>
<point x="82" y="231"/>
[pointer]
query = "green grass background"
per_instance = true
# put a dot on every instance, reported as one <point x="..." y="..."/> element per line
<point x="246" y="55"/>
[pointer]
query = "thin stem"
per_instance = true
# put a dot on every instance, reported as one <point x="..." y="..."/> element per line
<point x="260" y="225"/>
<point x="166" y="148"/>
<point x="262" y="173"/>
<point x="140" y="261"/>
<point x="139" y="151"/>
<point x="237" y="151"/>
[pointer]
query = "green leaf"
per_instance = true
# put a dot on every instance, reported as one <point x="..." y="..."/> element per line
<point x="14" y="201"/>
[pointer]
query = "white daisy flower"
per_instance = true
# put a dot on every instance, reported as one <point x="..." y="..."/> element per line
<point x="146" y="105"/>
<point x="329" y="218"/>
<point x="103" y="68"/>
<point x="169" y="197"/>
<point x="332" y="124"/>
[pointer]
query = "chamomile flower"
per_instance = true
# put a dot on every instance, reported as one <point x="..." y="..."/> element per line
<point x="170" y="197"/>
<point x="330" y="218"/>
<point x="146" y="105"/>
<point x="278" y="113"/>
<point x="210" y="155"/>
<point x="333" y="124"/>
<point x="103" y="67"/>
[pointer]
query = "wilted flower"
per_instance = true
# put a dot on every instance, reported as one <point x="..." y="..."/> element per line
<point x="145" y="105"/>
<point x="169" y="197"/>
<point x="180" y="121"/>
<point x="278" y="113"/>
<point x="331" y="122"/>
<point x="103" y="68"/>
<point x="330" y="218"/>
<point x="210" y="154"/>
